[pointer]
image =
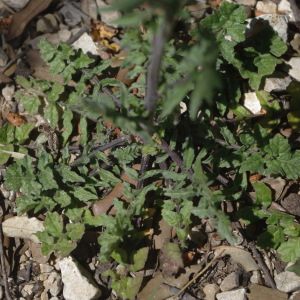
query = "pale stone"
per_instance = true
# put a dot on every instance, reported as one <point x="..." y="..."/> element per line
<point x="53" y="38"/>
<point x="86" y="43"/>
<point x="108" y="17"/>
<point x="285" y="6"/>
<point x="64" y="35"/>
<point x="45" y="268"/>
<point x="252" y="103"/>
<point x="266" y="6"/>
<point x="256" y="277"/>
<point x="1" y="292"/>
<point x="71" y="17"/>
<point x="233" y="295"/>
<point x="16" y="4"/>
<point x="44" y="295"/>
<point x="287" y="282"/>
<point x="278" y="82"/>
<point x="293" y="67"/>
<point x="54" y="283"/>
<point x="279" y="23"/>
<point x="295" y="43"/>
<point x="210" y="291"/>
<point x="246" y="2"/>
<point x="78" y="283"/>
<point x="229" y="282"/>
<point x="8" y="92"/>
<point x="41" y="25"/>
<point x="23" y="258"/>
<point x="28" y="289"/>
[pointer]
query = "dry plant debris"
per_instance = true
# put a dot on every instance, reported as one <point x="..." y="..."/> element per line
<point x="155" y="156"/>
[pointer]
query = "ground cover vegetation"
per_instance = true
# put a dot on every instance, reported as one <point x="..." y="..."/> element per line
<point x="181" y="154"/>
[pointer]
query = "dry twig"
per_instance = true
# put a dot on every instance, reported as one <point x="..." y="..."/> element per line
<point x="198" y="275"/>
<point x="7" y="292"/>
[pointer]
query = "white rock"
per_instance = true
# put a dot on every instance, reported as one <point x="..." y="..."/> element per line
<point x="278" y="81"/>
<point x="287" y="282"/>
<point x="64" y="35"/>
<point x="53" y="283"/>
<point x="45" y="268"/>
<point x="54" y="298"/>
<point x="210" y="291"/>
<point x="266" y="6"/>
<point x="246" y="2"/>
<point x="78" y="283"/>
<point x="108" y="17"/>
<point x="1" y="292"/>
<point x="256" y="277"/>
<point x="44" y="295"/>
<point x="86" y="43"/>
<point x="28" y="289"/>
<point x="71" y="17"/>
<point x="252" y="103"/>
<point x="279" y="23"/>
<point x="292" y="67"/>
<point x="8" y="92"/>
<point x="285" y="6"/>
<point x="41" y="25"/>
<point x="16" y="4"/>
<point x="295" y="43"/>
<point x="233" y="295"/>
<point x="229" y="282"/>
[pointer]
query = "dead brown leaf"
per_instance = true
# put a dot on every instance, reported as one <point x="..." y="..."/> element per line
<point x="4" y="79"/>
<point x="106" y="204"/>
<point x="158" y="279"/>
<point x="15" y="119"/>
<point x="23" y="16"/>
<point x="259" y="292"/>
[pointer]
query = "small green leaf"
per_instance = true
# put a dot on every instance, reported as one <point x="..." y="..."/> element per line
<point x="52" y="225"/>
<point x="83" y="195"/>
<point x="132" y="173"/>
<point x="6" y="134"/>
<point x="13" y="177"/>
<point x="120" y="256"/>
<point x="22" y="132"/>
<point x="67" y="117"/>
<point x="64" y="247"/>
<point x="130" y="287"/>
<point x="295" y="268"/>
<point x="173" y="253"/>
<point x="263" y="194"/>
<point x="5" y="156"/>
<point x="189" y="155"/>
<point x="25" y="204"/>
<point x="82" y="60"/>
<point x="84" y="131"/>
<point x="51" y="114"/>
<point x="68" y="175"/>
<point x="138" y="259"/>
<point x="290" y="250"/>
<point x="31" y="103"/>
<point x="254" y="164"/>
<point x="108" y="176"/>
<point x="271" y="238"/>
<point x="75" y="231"/>
<point x="46" y="178"/>
<point x="181" y="194"/>
<point x="62" y="198"/>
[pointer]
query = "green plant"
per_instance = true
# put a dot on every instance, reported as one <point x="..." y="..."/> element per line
<point x="152" y="129"/>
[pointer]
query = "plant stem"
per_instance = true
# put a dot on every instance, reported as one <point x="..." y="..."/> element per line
<point x="158" y="46"/>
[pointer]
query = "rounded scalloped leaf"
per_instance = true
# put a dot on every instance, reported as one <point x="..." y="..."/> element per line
<point x="294" y="120"/>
